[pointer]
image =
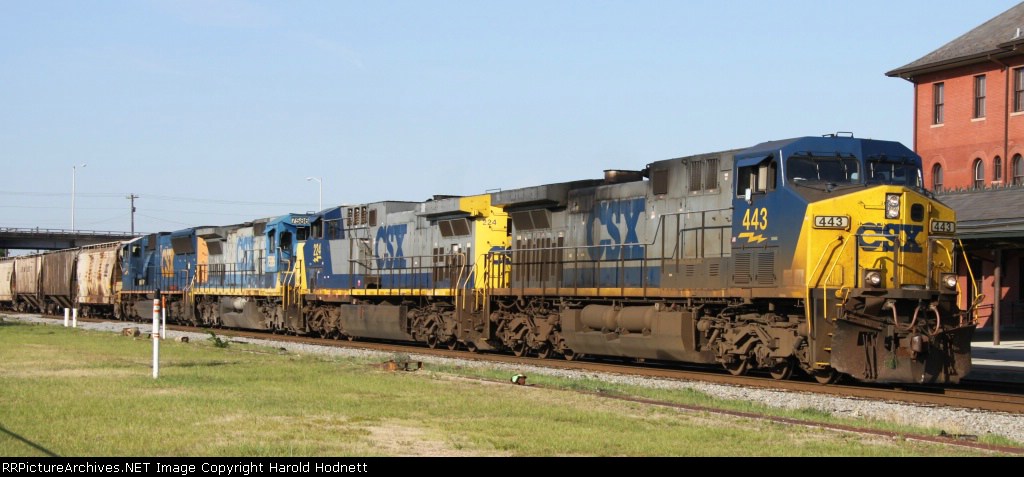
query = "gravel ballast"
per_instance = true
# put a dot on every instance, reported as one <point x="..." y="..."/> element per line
<point x="949" y="420"/>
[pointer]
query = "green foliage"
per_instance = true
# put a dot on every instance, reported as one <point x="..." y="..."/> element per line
<point x="217" y="341"/>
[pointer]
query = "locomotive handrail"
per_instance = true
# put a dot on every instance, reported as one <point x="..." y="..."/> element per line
<point x="978" y="297"/>
<point x="824" y="252"/>
<point x="459" y="286"/>
<point x="578" y="250"/>
<point x="810" y="300"/>
<point x="824" y="303"/>
<point x="580" y="253"/>
<point x="427" y="265"/>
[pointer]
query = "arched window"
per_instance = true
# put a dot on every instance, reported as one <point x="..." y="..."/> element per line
<point x="979" y="174"/>
<point x="937" y="177"/>
<point x="997" y="169"/>
<point x="1018" y="170"/>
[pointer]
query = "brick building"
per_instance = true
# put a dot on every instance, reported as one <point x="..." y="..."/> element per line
<point x="969" y="132"/>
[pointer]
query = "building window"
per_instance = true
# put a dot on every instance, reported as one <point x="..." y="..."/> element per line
<point x="997" y="169"/>
<point x="1018" y="170"/>
<point x="979" y="174"/>
<point x="979" y="96"/>
<point x="1018" y="90"/>
<point x="937" y="177"/>
<point x="939" y="96"/>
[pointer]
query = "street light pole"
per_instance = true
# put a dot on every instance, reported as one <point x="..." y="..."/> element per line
<point x="73" y="171"/>
<point x="320" y="183"/>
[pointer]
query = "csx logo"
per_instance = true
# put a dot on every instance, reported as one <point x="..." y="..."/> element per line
<point x="617" y="218"/>
<point x="167" y="262"/>
<point x="244" y="255"/>
<point x="391" y="236"/>
<point x="884" y="237"/>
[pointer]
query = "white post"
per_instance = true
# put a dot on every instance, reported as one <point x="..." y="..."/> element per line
<point x="67" y="312"/>
<point x="163" y="318"/>
<point x="156" y="335"/>
<point x="74" y="317"/>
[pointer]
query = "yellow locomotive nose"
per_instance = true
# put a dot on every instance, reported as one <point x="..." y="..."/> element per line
<point x="884" y="290"/>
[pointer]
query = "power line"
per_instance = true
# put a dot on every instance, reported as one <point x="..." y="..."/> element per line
<point x="108" y="219"/>
<point x="58" y="194"/>
<point x="158" y="197"/>
<point x="54" y="207"/>
<point x="165" y="220"/>
<point x="223" y="201"/>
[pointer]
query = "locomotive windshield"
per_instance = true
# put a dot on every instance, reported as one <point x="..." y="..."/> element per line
<point x="833" y="170"/>
<point x="893" y="170"/>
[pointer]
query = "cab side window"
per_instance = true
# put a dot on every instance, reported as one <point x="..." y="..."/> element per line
<point x="759" y="178"/>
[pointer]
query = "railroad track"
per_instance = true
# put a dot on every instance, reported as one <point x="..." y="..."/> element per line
<point x="987" y="396"/>
<point x="969" y="395"/>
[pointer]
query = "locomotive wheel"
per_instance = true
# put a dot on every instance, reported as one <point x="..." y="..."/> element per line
<point x="432" y="341"/>
<point x="453" y="343"/>
<point x="825" y="376"/>
<point x="783" y="370"/>
<point x="570" y="355"/>
<point x="544" y="352"/>
<point x="738" y="367"/>
<point x="519" y="348"/>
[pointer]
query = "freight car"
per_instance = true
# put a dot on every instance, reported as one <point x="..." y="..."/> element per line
<point x="81" y="278"/>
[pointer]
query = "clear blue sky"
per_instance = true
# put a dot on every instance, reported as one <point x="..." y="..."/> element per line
<point x="215" y="112"/>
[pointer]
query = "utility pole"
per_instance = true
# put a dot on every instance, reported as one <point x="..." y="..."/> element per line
<point x="132" y="198"/>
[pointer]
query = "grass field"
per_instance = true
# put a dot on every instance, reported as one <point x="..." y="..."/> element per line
<point x="79" y="393"/>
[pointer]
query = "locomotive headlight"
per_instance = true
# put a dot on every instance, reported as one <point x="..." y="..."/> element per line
<point x="949" y="281"/>
<point x="873" y="278"/>
<point x="892" y="206"/>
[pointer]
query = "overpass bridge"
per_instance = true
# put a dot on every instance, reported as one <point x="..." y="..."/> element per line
<point x="55" y="239"/>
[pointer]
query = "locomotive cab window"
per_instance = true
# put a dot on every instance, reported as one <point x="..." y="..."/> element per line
<point x="893" y="170"/>
<point x="316" y="229"/>
<point x="286" y="241"/>
<point x="760" y="178"/>
<point x="834" y="170"/>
